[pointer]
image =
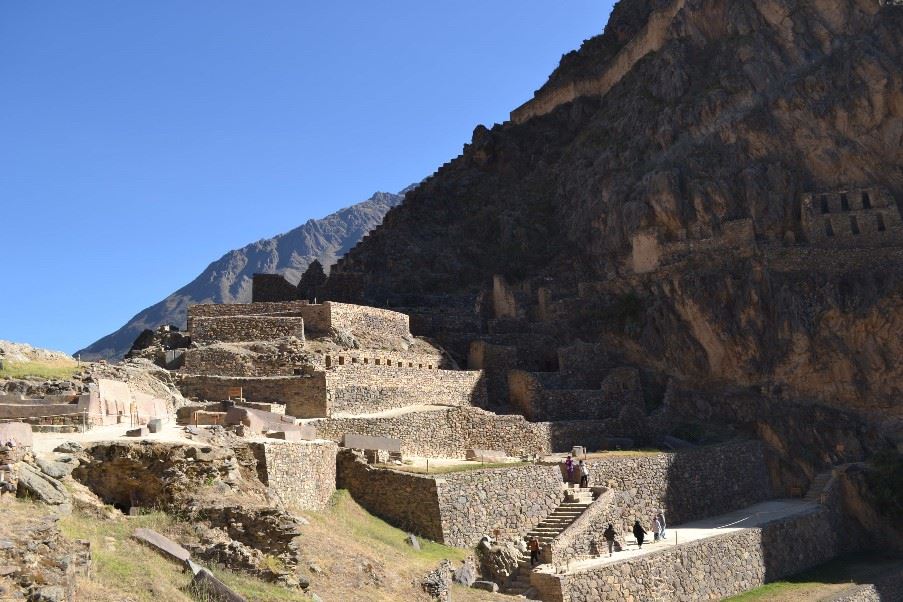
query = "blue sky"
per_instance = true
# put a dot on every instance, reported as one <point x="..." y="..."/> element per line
<point x="139" y="141"/>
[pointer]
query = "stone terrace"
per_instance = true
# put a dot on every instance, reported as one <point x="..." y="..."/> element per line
<point x="374" y="377"/>
<point x="705" y="560"/>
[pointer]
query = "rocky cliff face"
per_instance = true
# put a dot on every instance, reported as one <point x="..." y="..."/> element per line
<point x="228" y="279"/>
<point x="712" y="189"/>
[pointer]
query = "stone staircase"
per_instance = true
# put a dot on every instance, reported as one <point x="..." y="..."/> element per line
<point x="817" y="487"/>
<point x="576" y="501"/>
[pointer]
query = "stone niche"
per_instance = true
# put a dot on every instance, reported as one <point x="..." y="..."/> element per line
<point x="855" y="216"/>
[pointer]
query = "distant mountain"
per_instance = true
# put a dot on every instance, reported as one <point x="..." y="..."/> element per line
<point x="228" y="279"/>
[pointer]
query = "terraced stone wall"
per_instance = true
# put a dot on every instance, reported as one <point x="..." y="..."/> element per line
<point x="405" y="500"/>
<point x="361" y="319"/>
<point x="304" y="396"/>
<point x="450" y="433"/>
<point x="218" y="310"/>
<point x="299" y="475"/>
<point x="689" y="484"/>
<point x="708" y="569"/>
<point x="234" y="329"/>
<point x="361" y="390"/>
<point x="504" y="503"/>
<point x="457" y="508"/>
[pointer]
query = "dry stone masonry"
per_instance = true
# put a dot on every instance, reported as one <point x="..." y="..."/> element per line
<point x="457" y="508"/>
<point x="299" y="475"/>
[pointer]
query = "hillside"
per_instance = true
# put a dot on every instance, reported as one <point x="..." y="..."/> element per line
<point x="228" y="279"/>
<point x="710" y="191"/>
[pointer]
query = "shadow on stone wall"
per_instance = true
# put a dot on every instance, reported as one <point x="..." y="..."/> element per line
<point x="703" y="482"/>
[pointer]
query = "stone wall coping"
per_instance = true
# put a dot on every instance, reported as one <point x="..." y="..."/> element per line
<point x="454" y="476"/>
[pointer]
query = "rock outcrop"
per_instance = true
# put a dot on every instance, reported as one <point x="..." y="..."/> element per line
<point x="652" y="200"/>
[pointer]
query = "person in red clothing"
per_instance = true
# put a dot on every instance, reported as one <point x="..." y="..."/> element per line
<point x="533" y="546"/>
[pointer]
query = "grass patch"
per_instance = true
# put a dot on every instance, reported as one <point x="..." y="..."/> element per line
<point x="48" y="370"/>
<point x="370" y="529"/>
<point x="787" y="590"/>
<point x="450" y="468"/>
<point x="823" y="580"/>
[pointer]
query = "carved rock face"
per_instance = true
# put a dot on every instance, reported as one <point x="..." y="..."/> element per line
<point x="728" y="113"/>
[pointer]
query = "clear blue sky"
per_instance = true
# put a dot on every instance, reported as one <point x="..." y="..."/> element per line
<point x="139" y="141"/>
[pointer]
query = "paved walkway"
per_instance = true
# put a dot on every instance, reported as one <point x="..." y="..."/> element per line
<point x="752" y="516"/>
<point x="45" y="442"/>
<point x="389" y="413"/>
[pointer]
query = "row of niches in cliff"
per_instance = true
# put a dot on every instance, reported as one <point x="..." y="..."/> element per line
<point x="853" y="217"/>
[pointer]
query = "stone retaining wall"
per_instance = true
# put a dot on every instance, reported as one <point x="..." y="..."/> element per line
<point x="318" y="318"/>
<point x="450" y="433"/>
<point x="457" y="508"/>
<point x="299" y="475"/>
<point x="373" y="357"/>
<point x="304" y="396"/>
<point x="235" y="329"/>
<point x="363" y="320"/>
<point x="708" y="569"/>
<point x="220" y="310"/>
<point x="504" y="503"/>
<point x="361" y="390"/>
<point x="689" y="484"/>
<point x="237" y="361"/>
<point x="404" y="500"/>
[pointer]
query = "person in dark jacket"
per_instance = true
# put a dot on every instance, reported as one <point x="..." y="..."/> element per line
<point x="640" y="533"/>
<point x="609" y="535"/>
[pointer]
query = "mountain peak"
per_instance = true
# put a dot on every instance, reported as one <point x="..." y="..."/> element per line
<point x="228" y="279"/>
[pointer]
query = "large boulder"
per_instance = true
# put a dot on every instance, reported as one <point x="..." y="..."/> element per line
<point x="32" y="483"/>
<point x="58" y="467"/>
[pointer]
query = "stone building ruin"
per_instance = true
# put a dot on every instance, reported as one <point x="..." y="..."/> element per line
<point x="860" y="216"/>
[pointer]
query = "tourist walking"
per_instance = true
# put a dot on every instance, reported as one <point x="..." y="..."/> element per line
<point x="640" y="533"/>
<point x="609" y="535"/>
<point x="584" y="474"/>
<point x="569" y="468"/>
<point x="656" y="528"/>
<point x="661" y="519"/>
<point x="534" y="551"/>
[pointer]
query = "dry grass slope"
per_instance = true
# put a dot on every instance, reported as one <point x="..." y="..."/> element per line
<point x="59" y="369"/>
<point x="360" y="558"/>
